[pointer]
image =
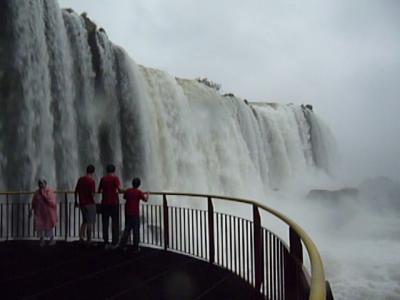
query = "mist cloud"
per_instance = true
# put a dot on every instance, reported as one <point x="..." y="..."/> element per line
<point x="342" y="56"/>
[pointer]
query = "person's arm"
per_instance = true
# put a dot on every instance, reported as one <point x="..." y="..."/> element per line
<point x="118" y="183"/>
<point x="100" y="189"/>
<point x="146" y="196"/>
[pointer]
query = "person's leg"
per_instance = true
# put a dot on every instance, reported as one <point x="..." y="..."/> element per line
<point x="105" y="220"/>
<point x="91" y="219"/>
<point x="127" y="231"/>
<point x="82" y="230"/>
<point x="50" y="235"/>
<point x="42" y="234"/>
<point x="115" y="224"/>
<point x="136" y="232"/>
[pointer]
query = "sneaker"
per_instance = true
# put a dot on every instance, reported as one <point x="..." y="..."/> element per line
<point x="42" y="243"/>
<point x="107" y="246"/>
<point x="52" y="242"/>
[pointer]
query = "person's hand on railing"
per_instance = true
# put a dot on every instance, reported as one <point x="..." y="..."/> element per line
<point x="30" y="213"/>
<point x="76" y="204"/>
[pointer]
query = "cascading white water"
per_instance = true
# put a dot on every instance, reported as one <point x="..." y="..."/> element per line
<point x="83" y="100"/>
<point x="73" y="98"/>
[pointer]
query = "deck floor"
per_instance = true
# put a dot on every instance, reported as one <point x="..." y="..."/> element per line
<point x="73" y="271"/>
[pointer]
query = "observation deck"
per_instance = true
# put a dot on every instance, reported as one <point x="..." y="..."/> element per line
<point x="194" y="246"/>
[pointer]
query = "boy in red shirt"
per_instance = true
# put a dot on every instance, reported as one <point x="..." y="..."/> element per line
<point x="109" y="187"/>
<point x="132" y="222"/>
<point x="85" y="189"/>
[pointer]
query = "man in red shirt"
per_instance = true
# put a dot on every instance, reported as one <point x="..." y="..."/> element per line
<point x="85" y="189"/>
<point x="133" y="197"/>
<point x="109" y="186"/>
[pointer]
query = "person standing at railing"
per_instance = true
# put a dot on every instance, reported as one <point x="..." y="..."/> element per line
<point x="109" y="187"/>
<point x="132" y="213"/>
<point x="84" y="191"/>
<point x="44" y="208"/>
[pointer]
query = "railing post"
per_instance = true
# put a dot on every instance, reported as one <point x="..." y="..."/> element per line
<point x="293" y="263"/>
<point x="66" y="216"/>
<point x="258" y="249"/>
<point x="296" y="248"/>
<point x="211" y="242"/>
<point x="8" y="217"/>
<point x="166" y="222"/>
<point x="329" y="294"/>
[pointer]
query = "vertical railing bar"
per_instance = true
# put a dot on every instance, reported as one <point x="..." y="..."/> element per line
<point x="160" y="219"/>
<point x="211" y="240"/>
<point x="23" y="219"/>
<point x="239" y="245"/>
<point x="197" y="232"/>
<point x="280" y="271"/>
<point x="147" y="225"/>
<point x="230" y="243"/>
<point x="276" y="267"/>
<point x="218" y="238"/>
<point x="266" y="263"/>
<point x="193" y="233"/>
<point x="249" y="264"/>
<point x="1" y="219"/>
<point x="252" y="253"/>
<point x="273" y="265"/>
<point x="176" y="228"/>
<point x="223" y="240"/>
<point x="270" y="263"/>
<point x="166" y="222"/>
<point x="225" y="246"/>
<point x="79" y="218"/>
<point x="173" y="228"/>
<point x="242" y="247"/>
<point x="180" y="228"/>
<point x="12" y="221"/>
<point x="121" y="215"/>
<point x="151" y="223"/>
<point x="7" y="215"/>
<point x="265" y="267"/>
<point x="96" y="228"/>
<point x="74" y="218"/>
<point x="201" y="233"/>
<point x="184" y="210"/>
<point x="235" y="246"/>
<point x="17" y="221"/>
<point x="66" y="216"/>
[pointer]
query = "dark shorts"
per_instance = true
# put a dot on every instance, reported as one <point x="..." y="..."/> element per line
<point x="89" y="214"/>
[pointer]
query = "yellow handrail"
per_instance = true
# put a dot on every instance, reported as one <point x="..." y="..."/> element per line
<point x="317" y="287"/>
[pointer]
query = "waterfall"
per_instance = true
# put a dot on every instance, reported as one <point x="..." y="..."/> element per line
<point x="70" y="97"/>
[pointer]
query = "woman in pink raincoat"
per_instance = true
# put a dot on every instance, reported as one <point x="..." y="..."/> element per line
<point x="44" y="207"/>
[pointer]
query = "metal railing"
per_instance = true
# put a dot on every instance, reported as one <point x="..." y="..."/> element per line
<point x="242" y="245"/>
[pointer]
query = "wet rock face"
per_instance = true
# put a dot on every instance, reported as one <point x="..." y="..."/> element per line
<point x="333" y="195"/>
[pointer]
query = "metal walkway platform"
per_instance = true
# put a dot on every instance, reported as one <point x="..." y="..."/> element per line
<point x="73" y="271"/>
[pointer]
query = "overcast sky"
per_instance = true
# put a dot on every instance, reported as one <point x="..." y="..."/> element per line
<point x="342" y="56"/>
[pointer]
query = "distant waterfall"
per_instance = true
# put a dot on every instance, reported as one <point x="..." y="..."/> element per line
<point x="69" y="97"/>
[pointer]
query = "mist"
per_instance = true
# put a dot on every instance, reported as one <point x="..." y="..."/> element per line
<point x="343" y="57"/>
